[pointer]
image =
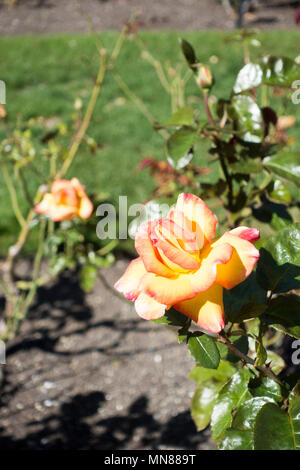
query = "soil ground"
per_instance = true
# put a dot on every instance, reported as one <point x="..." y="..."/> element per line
<point x="85" y="372"/>
<point x="57" y="16"/>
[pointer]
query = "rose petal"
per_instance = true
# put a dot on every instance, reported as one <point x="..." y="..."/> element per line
<point x="148" y="253"/>
<point x="86" y="208"/>
<point x="195" y="214"/>
<point x="148" y="309"/>
<point x="206" y="276"/>
<point x="128" y="284"/>
<point x="250" y="234"/>
<point x="241" y="264"/>
<point x="167" y="291"/>
<point x="205" y="309"/>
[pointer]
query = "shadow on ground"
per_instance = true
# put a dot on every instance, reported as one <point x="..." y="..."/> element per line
<point x="86" y="373"/>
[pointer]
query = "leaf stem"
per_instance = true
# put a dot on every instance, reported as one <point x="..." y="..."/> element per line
<point x="263" y="369"/>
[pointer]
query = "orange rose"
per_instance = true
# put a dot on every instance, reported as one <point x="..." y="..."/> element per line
<point x="181" y="266"/>
<point x="66" y="199"/>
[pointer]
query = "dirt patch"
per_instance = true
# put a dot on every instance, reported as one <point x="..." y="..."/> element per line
<point x="56" y="16"/>
<point x="86" y="373"/>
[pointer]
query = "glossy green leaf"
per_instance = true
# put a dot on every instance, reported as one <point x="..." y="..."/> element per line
<point x="209" y="383"/>
<point x="240" y="436"/>
<point x="280" y="193"/>
<point x="273" y="429"/>
<point x="233" y="394"/>
<point x="250" y="76"/>
<point x="294" y="413"/>
<point x="283" y="313"/>
<point x="285" y="165"/>
<point x="236" y="440"/>
<point x="204" y="350"/>
<point x="222" y="373"/>
<point x="203" y="402"/>
<point x="266" y="387"/>
<point x="182" y="117"/>
<point x="278" y="268"/>
<point x="244" y="419"/>
<point x="247" y="117"/>
<point x="179" y="147"/>
<point x="279" y="71"/>
<point x="88" y="276"/>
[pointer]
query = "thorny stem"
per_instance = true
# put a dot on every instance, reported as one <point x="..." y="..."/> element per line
<point x="263" y="369"/>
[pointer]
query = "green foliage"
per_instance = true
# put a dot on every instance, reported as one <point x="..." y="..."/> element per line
<point x="285" y="165"/>
<point x="278" y="268"/>
<point x="209" y="382"/>
<point x="204" y="350"/>
<point x="232" y="394"/>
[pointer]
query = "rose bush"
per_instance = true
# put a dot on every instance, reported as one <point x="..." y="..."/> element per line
<point x="181" y="265"/>
<point x="249" y="176"/>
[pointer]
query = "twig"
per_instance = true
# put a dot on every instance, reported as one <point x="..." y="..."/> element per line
<point x="265" y="370"/>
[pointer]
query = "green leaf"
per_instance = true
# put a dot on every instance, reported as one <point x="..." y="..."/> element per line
<point x="273" y="429"/>
<point x="246" y="166"/>
<point x="247" y="118"/>
<point x="204" y="350"/>
<point x="240" y="436"/>
<point x="294" y="413"/>
<point x="277" y="364"/>
<point x="250" y="76"/>
<point x="280" y="193"/>
<point x="266" y="387"/>
<point x="236" y="440"/>
<point x="188" y="52"/>
<point x="279" y="71"/>
<point x="88" y="276"/>
<point x="203" y="402"/>
<point x="172" y="317"/>
<point x="182" y="117"/>
<point x="278" y="268"/>
<point x="244" y="419"/>
<point x="222" y="373"/>
<point x="261" y="355"/>
<point x="283" y="313"/>
<point x="209" y="382"/>
<point x="179" y="147"/>
<point x="285" y="165"/>
<point x="233" y="394"/>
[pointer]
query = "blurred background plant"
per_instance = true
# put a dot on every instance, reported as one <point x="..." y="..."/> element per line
<point x="71" y="243"/>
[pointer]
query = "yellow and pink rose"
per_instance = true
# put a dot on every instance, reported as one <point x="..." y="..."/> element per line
<point x="181" y="265"/>
<point x="65" y="200"/>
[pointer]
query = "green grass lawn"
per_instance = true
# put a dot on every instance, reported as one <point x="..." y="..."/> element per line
<point x="44" y="75"/>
